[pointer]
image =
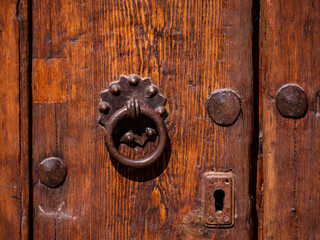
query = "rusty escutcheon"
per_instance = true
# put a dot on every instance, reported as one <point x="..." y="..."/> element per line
<point x="218" y="199"/>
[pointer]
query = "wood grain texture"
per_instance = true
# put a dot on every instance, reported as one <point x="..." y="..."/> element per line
<point x="14" y="120"/>
<point x="189" y="49"/>
<point x="290" y="54"/>
<point x="49" y="80"/>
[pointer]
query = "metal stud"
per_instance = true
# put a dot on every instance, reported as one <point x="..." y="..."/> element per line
<point x="224" y="107"/>
<point x="134" y="79"/>
<point x="291" y="101"/>
<point x="152" y="91"/>
<point x="226" y="219"/>
<point x="150" y="132"/>
<point x="162" y="111"/>
<point x="210" y="219"/>
<point x="128" y="138"/>
<point x="115" y="89"/>
<point x="104" y="107"/>
<point x="52" y="171"/>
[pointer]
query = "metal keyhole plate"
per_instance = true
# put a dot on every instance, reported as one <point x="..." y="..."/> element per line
<point x="218" y="199"/>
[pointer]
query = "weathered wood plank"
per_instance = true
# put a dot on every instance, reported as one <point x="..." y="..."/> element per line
<point x="14" y="120"/>
<point x="290" y="54"/>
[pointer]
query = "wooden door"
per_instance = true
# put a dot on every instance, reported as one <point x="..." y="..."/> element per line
<point x="189" y="49"/>
<point x="58" y="55"/>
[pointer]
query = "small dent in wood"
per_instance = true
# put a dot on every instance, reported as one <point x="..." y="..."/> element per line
<point x="76" y="37"/>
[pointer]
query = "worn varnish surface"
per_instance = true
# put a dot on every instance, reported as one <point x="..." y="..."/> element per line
<point x="290" y="54"/>
<point x="14" y="124"/>
<point x="189" y="49"/>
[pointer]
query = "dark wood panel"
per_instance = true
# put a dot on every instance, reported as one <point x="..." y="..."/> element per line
<point x="189" y="49"/>
<point x="14" y="120"/>
<point x="290" y="54"/>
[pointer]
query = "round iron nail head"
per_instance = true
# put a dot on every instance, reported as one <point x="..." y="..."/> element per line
<point x="52" y="171"/>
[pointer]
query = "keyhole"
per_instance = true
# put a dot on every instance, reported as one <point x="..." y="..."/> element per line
<point x="218" y="197"/>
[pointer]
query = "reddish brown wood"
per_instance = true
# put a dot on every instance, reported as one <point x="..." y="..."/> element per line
<point x="14" y="120"/>
<point x="290" y="54"/>
<point x="49" y="81"/>
<point x="189" y="49"/>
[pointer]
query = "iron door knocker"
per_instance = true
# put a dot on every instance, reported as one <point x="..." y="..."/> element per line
<point x="127" y="99"/>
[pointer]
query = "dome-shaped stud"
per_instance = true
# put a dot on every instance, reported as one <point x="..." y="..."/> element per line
<point x="134" y="80"/>
<point x="115" y="89"/>
<point x="104" y="107"/>
<point x="52" y="171"/>
<point x="162" y="112"/>
<point x="152" y="91"/>
<point x="150" y="132"/>
<point x="224" y="107"/>
<point x="292" y="101"/>
<point x="128" y="138"/>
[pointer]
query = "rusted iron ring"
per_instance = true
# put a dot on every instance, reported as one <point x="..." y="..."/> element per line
<point x="127" y="112"/>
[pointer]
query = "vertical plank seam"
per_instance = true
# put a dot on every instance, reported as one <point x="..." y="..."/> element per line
<point x="256" y="117"/>
<point x="29" y="79"/>
<point x="295" y="180"/>
<point x="20" y="117"/>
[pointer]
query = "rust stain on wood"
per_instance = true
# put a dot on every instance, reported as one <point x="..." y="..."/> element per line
<point x="49" y="83"/>
<point x="193" y="227"/>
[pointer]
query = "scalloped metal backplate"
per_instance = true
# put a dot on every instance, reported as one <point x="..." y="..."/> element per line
<point x="126" y="88"/>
